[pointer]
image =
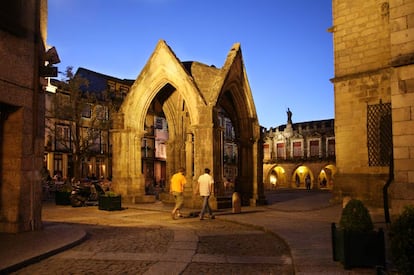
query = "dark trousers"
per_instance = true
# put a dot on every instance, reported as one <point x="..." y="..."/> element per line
<point x="206" y="206"/>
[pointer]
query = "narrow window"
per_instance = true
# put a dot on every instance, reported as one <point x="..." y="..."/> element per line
<point x="331" y="147"/>
<point x="297" y="149"/>
<point x="314" y="148"/>
<point x="379" y="134"/>
<point x="280" y="150"/>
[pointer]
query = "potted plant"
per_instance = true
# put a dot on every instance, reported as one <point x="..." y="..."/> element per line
<point x="355" y="243"/>
<point x="402" y="241"/>
<point x="62" y="194"/>
<point x="109" y="201"/>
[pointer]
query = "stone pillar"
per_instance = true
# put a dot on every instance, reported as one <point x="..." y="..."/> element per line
<point x="218" y="160"/>
<point x="203" y="157"/>
<point x="255" y="195"/>
<point x="190" y="176"/>
<point x="189" y="155"/>
<point x="128" y="179"/>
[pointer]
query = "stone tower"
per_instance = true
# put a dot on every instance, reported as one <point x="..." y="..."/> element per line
<point x="374" y="99"/>
<point x="191" y="96"/>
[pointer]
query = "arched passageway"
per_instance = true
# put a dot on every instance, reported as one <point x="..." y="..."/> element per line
<point x="303" y="178"/>
<point x="276" y="178"/>
<point x="290" y="175"/>
<point x="209" y="125"/>
<point x="326" y="176"/>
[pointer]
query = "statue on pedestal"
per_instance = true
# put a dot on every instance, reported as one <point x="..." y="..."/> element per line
<point x="289" y="116"/>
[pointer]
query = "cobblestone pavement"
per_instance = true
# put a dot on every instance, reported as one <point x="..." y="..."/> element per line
<point x="136" y="241"/>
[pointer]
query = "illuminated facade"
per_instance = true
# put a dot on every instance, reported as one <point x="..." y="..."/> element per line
<point x="212" y="122"/>
<point x="295" y="154"/>
<point x="93" y="120"/>
<point x="374" y="88"/>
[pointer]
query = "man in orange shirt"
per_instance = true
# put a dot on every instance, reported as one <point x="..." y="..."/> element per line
<point x="177" y="188"/>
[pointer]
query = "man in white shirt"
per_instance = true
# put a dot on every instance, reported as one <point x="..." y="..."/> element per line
<point x="205" y="188"/>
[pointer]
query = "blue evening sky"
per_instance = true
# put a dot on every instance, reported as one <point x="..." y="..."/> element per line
<point x="287" y="50"/>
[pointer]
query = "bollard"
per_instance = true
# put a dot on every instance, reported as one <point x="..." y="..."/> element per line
<point x="236" y="203"/>
<point x="345" y="201"/>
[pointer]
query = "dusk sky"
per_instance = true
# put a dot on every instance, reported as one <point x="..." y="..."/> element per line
<point x="287" y="50"/>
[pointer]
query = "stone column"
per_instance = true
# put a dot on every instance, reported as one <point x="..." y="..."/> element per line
<point x="126" y="166"/>
<point x="189" y="163"/>
<point x="189" y="155"/>
<point x="218" y="161"/>
<point x="203" y="155"/>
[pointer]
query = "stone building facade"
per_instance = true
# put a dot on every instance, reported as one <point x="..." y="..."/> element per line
<point x="106" y="93"/>
<point x="374" y="99"/>
<point x="297" y="153"/>
<point x="192" y="97"/>
<point x="23" y="56"/>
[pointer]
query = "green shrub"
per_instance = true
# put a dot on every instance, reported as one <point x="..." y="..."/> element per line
<point x="64" y="188"/>
<point x="355" y="217"/>
<point x="402" y="241"/>
<point x="111" y="194"/>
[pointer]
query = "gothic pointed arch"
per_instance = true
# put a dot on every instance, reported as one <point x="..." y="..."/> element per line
<point x="163" y="68"/>
<point x="189" y="93"/>
<point x="236" y="99"/>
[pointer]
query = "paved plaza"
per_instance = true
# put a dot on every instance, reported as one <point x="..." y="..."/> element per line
<point x="291" y="235"/>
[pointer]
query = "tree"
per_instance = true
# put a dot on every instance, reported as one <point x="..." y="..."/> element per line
<point x="77" y="120"/>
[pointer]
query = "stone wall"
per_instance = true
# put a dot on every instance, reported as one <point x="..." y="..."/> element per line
<point x="402" y="93"/>
<point x="22" y="41"/>
<point x="190" y="94"/>
<point x="361" y="36"/>
<point x="373" y="47"/>
<point x="362" y="77"/>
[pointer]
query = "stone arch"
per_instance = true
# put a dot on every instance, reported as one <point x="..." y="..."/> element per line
<point x="299" y="176"/>
<point x="274" y="176"/>
<point x="177" y="112"/>
<point x="190" y="94"/>
<point x="238" y="105"/>
<point x="327" y="172"/>
<point x="152" y="91"/>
